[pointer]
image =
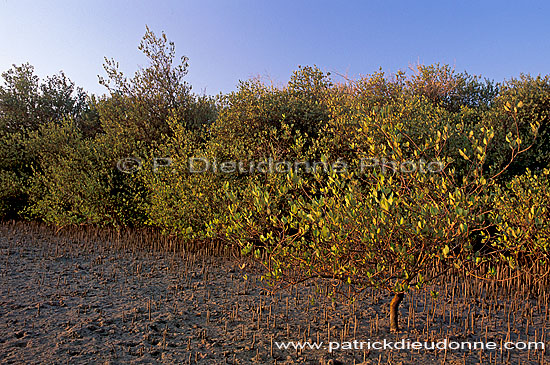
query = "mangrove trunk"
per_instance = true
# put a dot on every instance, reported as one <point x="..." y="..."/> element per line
<point x="394" y="311"/>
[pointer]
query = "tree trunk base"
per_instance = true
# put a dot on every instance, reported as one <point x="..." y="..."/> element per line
<point x="394" y="311"/>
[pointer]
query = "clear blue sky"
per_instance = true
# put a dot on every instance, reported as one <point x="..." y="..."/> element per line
<point x="231" y="40"/>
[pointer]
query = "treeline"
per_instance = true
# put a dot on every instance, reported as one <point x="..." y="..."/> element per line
<point x="66" y="159"/>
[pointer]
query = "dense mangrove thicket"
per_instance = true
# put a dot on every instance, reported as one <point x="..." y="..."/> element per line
<point x="373" y="181"/>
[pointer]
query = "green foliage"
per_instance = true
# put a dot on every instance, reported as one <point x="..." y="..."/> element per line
<point x="140" y="106"/>
<point x="259" y="121"/>
<point x="26" y="103"/>
<point x="459" y="175"/>
<point x="63" y="188"/>
<point x="14" y="171"/>
<point x="75" y="181"/>
<point x="523" y="109"/>
<point x="453" y="91"/>
<point x="521" y="217"/>
<point x="180" y="201"/>
<point x="377" y="227"/>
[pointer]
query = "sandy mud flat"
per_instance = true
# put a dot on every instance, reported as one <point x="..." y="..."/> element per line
<point x="65" y="301"/>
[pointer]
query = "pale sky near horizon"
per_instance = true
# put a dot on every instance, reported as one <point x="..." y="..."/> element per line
<point x="231" y="40"/>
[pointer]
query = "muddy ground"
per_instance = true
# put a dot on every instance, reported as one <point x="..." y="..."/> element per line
<point x="66" y="301"/>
